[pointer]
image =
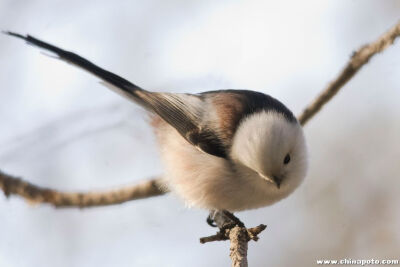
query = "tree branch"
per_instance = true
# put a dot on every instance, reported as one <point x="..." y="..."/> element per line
<point x="36" y="194"/>
<point x="222" y="236"/>
<point x="359" y="59"/>
<point x="231" y="228"/>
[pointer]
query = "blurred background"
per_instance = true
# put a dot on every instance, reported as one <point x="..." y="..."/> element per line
<point x="61" y="129"/>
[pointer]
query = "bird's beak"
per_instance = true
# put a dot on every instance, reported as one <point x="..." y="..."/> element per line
<point x="274" y="179"/>
<point x="277" y="181"/>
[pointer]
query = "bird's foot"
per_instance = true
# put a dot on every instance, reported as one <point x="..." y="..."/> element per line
<point x="227" y="224"/>
<point x="223" y="219"/>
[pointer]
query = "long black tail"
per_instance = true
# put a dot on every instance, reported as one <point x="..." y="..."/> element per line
<point x="126" y="86"/>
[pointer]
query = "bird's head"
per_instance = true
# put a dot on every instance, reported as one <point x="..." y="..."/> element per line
<point x="273" y="146"/>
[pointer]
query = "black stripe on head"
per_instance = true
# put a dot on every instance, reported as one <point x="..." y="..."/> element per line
<point x="253" y="102"/>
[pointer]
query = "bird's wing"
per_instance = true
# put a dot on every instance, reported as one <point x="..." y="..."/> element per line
<point x="181" y="111"/>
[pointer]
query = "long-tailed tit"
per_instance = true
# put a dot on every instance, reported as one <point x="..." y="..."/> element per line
<point x="223" y="150"/>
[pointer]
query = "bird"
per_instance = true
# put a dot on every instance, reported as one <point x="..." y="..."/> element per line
<point x="230" y="150"/>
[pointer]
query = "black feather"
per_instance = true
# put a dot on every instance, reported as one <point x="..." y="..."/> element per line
<point x="253" y="102"/>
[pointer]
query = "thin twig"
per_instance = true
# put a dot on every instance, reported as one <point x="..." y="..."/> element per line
<point x="219" y="236"/>
<point x="359" y="59"/>
<point x="222" y="236"/>
<point x="36" y="194"/>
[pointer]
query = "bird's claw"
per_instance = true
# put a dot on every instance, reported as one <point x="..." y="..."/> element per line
<point x="211" y="222"/>
<point x="223" y="219"/>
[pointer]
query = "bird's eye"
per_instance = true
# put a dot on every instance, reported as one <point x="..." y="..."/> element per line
<point x="286" y="160"/>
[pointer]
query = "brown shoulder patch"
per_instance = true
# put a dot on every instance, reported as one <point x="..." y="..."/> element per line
<point x="229" y="108"/>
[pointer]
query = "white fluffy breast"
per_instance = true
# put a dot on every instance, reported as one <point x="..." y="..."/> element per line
<point x="210" y="182"/>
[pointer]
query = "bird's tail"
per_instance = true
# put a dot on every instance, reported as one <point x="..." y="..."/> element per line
<point x="117" y="83"/>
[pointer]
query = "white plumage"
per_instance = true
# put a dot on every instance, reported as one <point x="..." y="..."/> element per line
<point x="259" y="146"/>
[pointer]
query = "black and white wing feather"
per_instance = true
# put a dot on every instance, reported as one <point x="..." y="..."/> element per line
<point x="181" y="111"/>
